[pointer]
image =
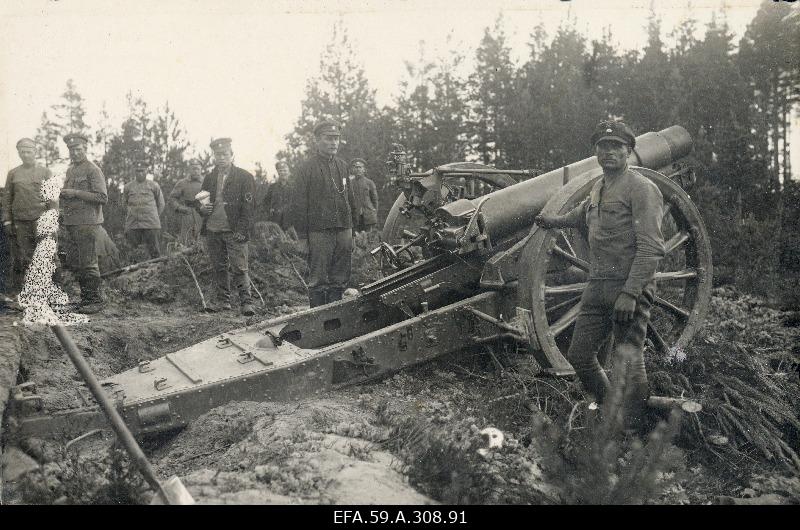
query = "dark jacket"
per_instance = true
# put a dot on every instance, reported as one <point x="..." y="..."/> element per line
<point x="322" y="197"/>
<point x="239" y="196"/>
<point x="366" y="196"/>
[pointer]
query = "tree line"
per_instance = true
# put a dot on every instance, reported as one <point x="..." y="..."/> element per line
<point x="735" y="97"/>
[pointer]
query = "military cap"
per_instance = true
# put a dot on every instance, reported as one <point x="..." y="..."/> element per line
<point x="353" y="162"/>
<point x="220" y="143"/>
<point x="614" y="130"/>
<point x="25" y="142"/>
<point x="327" y="127"/>
<point x="75" y="139"/>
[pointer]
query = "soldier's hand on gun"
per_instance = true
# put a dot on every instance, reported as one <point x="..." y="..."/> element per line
<point x="546" y="221"/>
<point x="239" y="237"/>
<point x="206" y="209"/>
<point x="624" y="308"/>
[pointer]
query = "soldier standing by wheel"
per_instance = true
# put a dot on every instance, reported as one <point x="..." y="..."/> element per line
<point x="82" y="199"/>
<point x="622" y="217"/>
<point x="227" y="227"/>
<point x="366" y="196"/>
<point x="182" y="200"/>
<point x="323" y="216"/>
<point x="144" y="203"/>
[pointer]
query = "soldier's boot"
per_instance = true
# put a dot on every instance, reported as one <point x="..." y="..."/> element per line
<point x="91" y="298"/>
<point x="636" y="415"/>
<point x="316" y="298"/>
<point x="247" y="310"/>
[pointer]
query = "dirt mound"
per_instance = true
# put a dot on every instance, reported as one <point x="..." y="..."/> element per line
<point x="309" y="452"/>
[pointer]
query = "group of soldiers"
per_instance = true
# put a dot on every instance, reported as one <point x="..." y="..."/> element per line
<point x="621" y="216"/>
<point x="327" y="202"/>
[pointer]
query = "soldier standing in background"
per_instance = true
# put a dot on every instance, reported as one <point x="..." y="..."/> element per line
<point x="144" y="203"/>
<point x="323" y="216"/>
<point x="182" y="200"/>
<point x="227" y="226"/>
<point x="82" y="199"/>
<point x="366" y="196"/>
<point x="622" y="217"/>
<point x="279" y="197"/>
<point x="23" y="204"/>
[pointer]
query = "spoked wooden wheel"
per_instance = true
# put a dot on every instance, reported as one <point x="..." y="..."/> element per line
<point x="556" y="277"/>
<point x="397" y="222"/>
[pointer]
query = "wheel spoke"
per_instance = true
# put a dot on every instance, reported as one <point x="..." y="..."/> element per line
<point x="658" y="340"/>
<point x="675" y="242"/>
<point x="672" y="308"/>
<point x="676" y="275"/>
<point x="575" y="260"/>
<point x="566" y="319"/>
<point x="565" y="289"/>
<point x="565" y="303"/>
<point x="667" y="209"/>
<point x="569" y="245"/>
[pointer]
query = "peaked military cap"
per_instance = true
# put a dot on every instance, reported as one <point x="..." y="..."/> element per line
<point x="614" y="130"/>
<point x="327" y="127"/>
<point x="75" y="139"/>
<point x="220" y="143"/>
<point x="25" y="142"/>
<point x="353" y="162"/>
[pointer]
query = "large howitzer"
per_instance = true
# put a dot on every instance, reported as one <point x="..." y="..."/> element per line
<point x="465" y="270"/>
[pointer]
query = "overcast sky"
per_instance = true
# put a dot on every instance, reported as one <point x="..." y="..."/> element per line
<point x="239" y="68"/>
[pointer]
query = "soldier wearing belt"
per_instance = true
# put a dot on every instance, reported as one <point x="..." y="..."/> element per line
<point x="23" y="204"/>
<point x="227" y="226"/>
<point x="622" y="217"/>
<point x="366" y="196"/>
<point x="82" y="199"/>
<point x="322" y="213"/>
<point x="182" y="200"/>
<point x="144" y="203"/>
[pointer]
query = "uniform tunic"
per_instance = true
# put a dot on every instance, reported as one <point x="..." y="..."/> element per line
<point x="86" y="208"/>
<point x="622" y="217"/>
<point x="144" y="202"/>
<point x="366" y="202"/>
<point x="22" y="200"/>
<point x="189" y="221"/>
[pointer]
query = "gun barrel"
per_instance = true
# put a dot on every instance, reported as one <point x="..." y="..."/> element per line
<point x="513" y="208"/>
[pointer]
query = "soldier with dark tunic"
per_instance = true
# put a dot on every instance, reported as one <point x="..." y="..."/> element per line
<point x="279" y="197"/>
<point x="144" y="203"/>
<point x="366" y="196"/>
<point x="23" y="204"/>
<point x="82" y="198"/>
<point x="622" y="217"/>
<point x="322" y="213"/>
<point x="227" y="226"/>
<point x="182" y="200"/>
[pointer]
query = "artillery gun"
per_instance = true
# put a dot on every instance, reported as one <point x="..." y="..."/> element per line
<point x="463" y="269"/>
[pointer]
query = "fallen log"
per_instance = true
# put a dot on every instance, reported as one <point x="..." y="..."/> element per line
<point x="143" y="264"/>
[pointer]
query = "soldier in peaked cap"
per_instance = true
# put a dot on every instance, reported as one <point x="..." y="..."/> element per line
<point x="323" y="215"/>
<point x="622" y="217"/>
<point x="227" y="226"/>
<point x="23" y="205"/>
<point x="82" y="199"/>
<point x="144" y="204"/>
<point x="278" y="197"/>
